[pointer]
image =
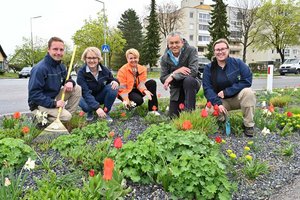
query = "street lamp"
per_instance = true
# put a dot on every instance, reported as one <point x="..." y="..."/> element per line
<point x="104" y="32"/>
<point x="31" y="18"/>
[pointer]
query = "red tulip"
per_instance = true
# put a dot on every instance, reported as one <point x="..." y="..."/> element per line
<point x="123" y="114"/>
<point x="216" y="107"/>
<point x="81" y="113"/>
<point x="271" y="108"/>
<point x="216" y="113"/>
<point x="111" y="134"/>
<point x="17" y="115"/>
<point x="154" y="108"/>
<point x="92" y="173"/>
<point x="218" y="139"/>
<point x="25" y="130"/>
<point x="108" y="169"/>
<point x="118" y="143"/>
<point x="204" y="113"/>
<point x="289" y="114"/>
<point x="208" y="104"/>
<point x="187" y="125"/>
<point x="105" y="109"/>
<point x="181" y="106"/>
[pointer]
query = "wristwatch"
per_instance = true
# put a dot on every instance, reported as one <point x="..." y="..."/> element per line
<point x="172" y="74"/>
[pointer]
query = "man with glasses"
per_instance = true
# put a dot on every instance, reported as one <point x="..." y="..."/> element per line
<point x="227" y="82"/>
<point x="179" y="72"/>
<point x="47" y="82"/>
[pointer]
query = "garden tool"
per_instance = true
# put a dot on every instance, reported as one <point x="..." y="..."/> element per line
<point x="56" y="128"/>
<point x="227" y="125"/>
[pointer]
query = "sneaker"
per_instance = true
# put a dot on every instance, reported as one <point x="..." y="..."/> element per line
<point x="109" y="119"/>
<point x="154" y="113"/>
<point x="249" y="131"/>
<point x="90" y="116"/>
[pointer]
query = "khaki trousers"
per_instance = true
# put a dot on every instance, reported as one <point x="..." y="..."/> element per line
<point x="72" y="100"/>
<point x="244" y="100"/>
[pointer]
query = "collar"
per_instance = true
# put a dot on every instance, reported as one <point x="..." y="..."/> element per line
<point x="87" y="69"/>
<point x="51" y="61"/>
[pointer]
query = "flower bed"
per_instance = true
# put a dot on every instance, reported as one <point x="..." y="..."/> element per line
<point x="130" y="158"/>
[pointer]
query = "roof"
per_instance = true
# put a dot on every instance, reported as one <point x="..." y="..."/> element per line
<point x="2" y="52"/>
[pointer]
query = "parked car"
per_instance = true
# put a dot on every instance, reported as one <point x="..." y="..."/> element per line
<point x="290" y="66"/>
<point x="25" y="72"/>
<point x="202" y="61"/>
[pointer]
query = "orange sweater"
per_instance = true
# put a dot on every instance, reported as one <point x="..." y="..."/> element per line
<point x="126" y="79"/>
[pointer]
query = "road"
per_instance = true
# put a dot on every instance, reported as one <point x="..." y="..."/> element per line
<point x="14" y="91"/>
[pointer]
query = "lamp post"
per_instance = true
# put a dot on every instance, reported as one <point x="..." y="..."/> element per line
<point x="31" y="18"/>
<point x="104" y="32"/>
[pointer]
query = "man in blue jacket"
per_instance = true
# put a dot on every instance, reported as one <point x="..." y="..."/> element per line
<point x="47" y="82"/>
<point x="227" y="82"/>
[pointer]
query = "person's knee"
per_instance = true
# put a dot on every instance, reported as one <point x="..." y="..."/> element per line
<point x="151" y="85"/>
<point x="65" y="116"/>
<point x="77" y="90"/>
<point x="190" y="82"/>
<point x="139" y="101"/>
<point x="249" y="97"/>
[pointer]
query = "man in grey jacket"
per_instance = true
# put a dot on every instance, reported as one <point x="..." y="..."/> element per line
<point x="179" y="72"/>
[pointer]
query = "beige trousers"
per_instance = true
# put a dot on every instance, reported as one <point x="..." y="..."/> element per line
<point x="244" y="100"/>
<point x="72" y="100"/>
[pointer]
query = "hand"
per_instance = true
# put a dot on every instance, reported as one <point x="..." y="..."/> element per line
<point x="221" y="94"/>
<point x="100" y="112"/>
<point x="68" y="87"/>
<point x="114" y="85"/>
<point x="167" y="82"/>
<point x="148" y="94"/>
<point x="183" y="70"/>
<point x="60" y="103"/>
<point x="222" y="109"/>
<point x="126" y="104"/>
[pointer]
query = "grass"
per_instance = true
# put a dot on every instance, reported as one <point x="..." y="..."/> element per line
<point x="8" y="75"/>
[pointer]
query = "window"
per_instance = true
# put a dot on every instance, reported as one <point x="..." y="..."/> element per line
<point x="203" y="38"/>
<point x="203" y="27"/>
<point x="201" y="49"/>
<point x="236" y="34"/>
<point x="286" y="52"/>
<point x="191" y="37"/>
<point x="204" y="18"/>
<point x="191" y="27"/>
<point x="191" y="15"/>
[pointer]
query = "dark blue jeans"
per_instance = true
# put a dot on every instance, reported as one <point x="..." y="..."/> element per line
<point x="107" y="97"/>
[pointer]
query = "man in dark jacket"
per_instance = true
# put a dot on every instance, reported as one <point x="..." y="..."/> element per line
<point x="179" y="71"/>
<point x="46" y="81"/>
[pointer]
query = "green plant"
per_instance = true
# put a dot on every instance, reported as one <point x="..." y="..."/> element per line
<point x="264" y="118"/>
<point x="14" y="152"/>
<point x="287" y="149"/>
<point x="254" y="168"/>
<point x="95" y="130"/>
<point x="236" y="122"/>
<point x="280" y="101"/>
<point x="187" y="163"/>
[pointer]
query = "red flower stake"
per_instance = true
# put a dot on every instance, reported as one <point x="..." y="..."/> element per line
<point x="187" y="125"/>
<point x="209" y="105"/>
<point x="92" y="173"/>
<point x="81" y="113"/>
<point x="118" y="143"/>
<point x="154" y="108"/>
<point x="17" y="115"/>
<point x="181" y="106"/>
<point x="218" y="139"/>
<point x="108" y="169"/>
<point x="204" y="113"/>
<point x="25" y="130"/>
<point x="289" y="114"/>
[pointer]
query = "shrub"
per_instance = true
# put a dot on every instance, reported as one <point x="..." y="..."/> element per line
<point x="280" y="101"/>
<point x="95" y="130"/>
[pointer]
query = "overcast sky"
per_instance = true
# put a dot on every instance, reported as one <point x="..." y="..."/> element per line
<point x="60" y="18"/>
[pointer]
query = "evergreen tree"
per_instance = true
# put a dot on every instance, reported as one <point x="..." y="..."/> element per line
<point x="218" y="27"/>
<point x="131" y="29"/>
<point x="151" y="45"/>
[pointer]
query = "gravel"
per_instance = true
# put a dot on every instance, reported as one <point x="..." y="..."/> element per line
<point x="283" y="174"/>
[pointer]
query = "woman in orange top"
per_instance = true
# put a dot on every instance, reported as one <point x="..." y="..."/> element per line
<point x="134" y="85"/>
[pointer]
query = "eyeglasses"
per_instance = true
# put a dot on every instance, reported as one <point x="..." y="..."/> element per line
<point x="221" y="50"/>
<point x="91" y="58"/>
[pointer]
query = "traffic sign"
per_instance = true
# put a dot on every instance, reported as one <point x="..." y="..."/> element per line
<point x="105" y="48"/>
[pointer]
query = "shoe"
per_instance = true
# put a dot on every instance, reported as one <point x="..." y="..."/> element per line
<point x="154" y="113"/>
<point x="109" y="119"/>
<point x="90" y="116"/>
<point x="249" y="131"/>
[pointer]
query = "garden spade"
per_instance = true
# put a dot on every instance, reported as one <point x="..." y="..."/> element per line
<point x="56" y="128"/>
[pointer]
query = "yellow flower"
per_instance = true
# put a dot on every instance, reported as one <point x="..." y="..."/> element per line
<point x="223" y="141"/>
<point x="248" y="157"/>
<point x="250" y="143"/>
<point x="246" y="148"/>
<point x="229" y="151"/>
<point x="7" y="182"/>
<point x="232" y="155"/>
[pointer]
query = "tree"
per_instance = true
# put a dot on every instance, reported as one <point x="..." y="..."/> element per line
<point x="245" y="12"/>
<point x="92" y="34"/>
<point x="218" y="27"/>
<point x="150" y="52"/>
<point x="168" y="17"/>
<point x="278" y="25"/>
<point x="131" y="29"/>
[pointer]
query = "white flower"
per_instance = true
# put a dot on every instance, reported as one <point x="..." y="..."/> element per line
<point x="295" y="89"/>
<point x="267" y="112"/>
<point x="265" y="131"/>
<point x="263" y="104"/>
<point x="30" y="164"/>
<point x="132" y="104"/>
<point x="41" y="117"/>
<point x="7" y="182"/>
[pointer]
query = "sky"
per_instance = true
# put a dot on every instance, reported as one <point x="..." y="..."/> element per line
<point x="60" y="18"/>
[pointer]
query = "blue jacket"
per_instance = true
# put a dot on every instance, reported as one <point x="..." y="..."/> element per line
<point x="90" y="86"/>
<point x="238" y="74"/>
<point x="46" y="80"/>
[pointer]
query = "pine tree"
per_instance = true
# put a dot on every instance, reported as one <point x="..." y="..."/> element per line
<point x="218" y="27"/>
<point x="131" y="29"/>
<point x="151" y="45"/>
